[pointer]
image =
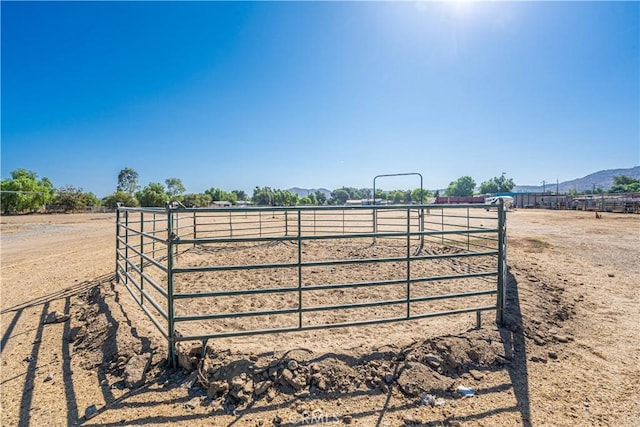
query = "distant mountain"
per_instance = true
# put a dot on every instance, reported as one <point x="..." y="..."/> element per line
<point x="601" y="179"/>
<point x="304" y="192"/>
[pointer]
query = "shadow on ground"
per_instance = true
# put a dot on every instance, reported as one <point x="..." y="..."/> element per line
<point x="390" y="396"/>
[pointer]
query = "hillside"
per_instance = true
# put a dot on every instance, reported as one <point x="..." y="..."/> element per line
<point x="303" y="192"/>
<point x="601" y="179"/>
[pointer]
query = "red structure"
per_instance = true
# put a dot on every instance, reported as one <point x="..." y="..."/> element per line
<point x="446" y="200"/>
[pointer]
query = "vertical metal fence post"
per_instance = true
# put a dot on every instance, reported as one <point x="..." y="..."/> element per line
<point x="314" y="222"/>
<point x="501" y="264"/>
<point x="408" y="263"/>
<point x="117" y="243"/>
<point x="442" y="220"/>
<point x="373" y="218"/>
<point x="170" y="313"/>
<point x="195" y="233"/>
<point x="260" y="222"/>
<point x="286" y="223"/>
<point x="230" y="225"/>
<point x="299" y="269"/>
<point x="141" y="257"/>
<point x="126" y="246"/>
<point x="342" y="221"/>
<point x="421" y="225"/>
<point x="153" y="242"/>
<point x="468" y="229"/>
<point x="177" y="227"/>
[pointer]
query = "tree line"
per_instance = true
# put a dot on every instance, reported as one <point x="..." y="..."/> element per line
<point x="24" y="192"/>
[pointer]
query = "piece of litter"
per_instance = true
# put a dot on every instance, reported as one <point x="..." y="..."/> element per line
<point x="90" y="412"/>
<point x="55" y="317"/>
<point x="465" y="391"/>
<point x="428" y="399"/>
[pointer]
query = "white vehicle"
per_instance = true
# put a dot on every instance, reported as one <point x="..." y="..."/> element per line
<point x="508" y="201"/>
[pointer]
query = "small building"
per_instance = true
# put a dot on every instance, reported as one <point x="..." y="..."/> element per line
<point x="221" y="204"/>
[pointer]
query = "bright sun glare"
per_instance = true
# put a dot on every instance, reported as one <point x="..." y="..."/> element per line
<point x="458" y="7"/>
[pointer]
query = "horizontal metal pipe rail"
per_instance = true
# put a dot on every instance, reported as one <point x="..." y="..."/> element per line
<point x="331" y="286"/>
<point x="326" y="263"/>
<point x="331" y="307"/>
<point x="203" y="337"/>
<point x="330" y="236"/>
<point x="482" y="244"/>
<point x="149" y="280"/>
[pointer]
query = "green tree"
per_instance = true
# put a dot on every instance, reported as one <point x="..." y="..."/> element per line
<point x="462" y="187"/>
<point x="625" y="184"/>
<point x="262" y="196"/>
<point x="47" y="187"/>
<point x="312" y="199"/>
<point x="125" y="199"/>
<point x="418" y="197"/>
<point x="284" y="198"/>
<point x="128" y="181"/>
<point x="91" y="199"/>
<point x="24" y="192"/>
<point x="340" y="196"/>
<point x="265" y="196"/>
<point x="217" y="194"/>
<point x="174" y="187"/>
<point x="74" y="199"/>
<point x="397" y="196"/>
<point x="381" y="195"/>
<point x="153" y="195"/>
<point x="498" y="184"/>
<point x="365" y="193"/>
<point x="352" y="194"/>
<point x="70" y="198"/>
<point x="321" y="197"/>
<point x="240" y="194"/>
<point x="199" y="200"/>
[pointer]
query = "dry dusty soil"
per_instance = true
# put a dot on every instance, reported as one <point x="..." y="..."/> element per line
<point x="74" y="345"/>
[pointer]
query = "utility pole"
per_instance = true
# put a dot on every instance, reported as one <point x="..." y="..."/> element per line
<point x="544" y="188"/>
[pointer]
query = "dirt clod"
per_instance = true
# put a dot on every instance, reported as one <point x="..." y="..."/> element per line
<point x="135" y="370"/>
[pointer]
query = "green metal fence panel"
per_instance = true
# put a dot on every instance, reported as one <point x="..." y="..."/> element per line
<point x="321" y="259"/>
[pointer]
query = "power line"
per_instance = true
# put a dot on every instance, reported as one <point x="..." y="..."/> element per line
<point x="22" y="192"/>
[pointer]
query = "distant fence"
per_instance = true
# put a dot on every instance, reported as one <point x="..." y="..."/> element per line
<point x="202" y="274"/>
<point x="610" y="202"/>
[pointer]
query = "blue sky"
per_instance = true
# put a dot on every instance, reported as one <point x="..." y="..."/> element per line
<point x="321" y="94"/>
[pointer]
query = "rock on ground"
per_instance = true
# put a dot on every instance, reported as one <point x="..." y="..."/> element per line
<point x="136" y="369"/>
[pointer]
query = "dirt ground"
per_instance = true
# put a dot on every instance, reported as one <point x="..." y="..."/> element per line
<point x="569" y="353"/>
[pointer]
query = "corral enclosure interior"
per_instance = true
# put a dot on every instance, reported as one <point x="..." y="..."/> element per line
<point x="208" y="273"/>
